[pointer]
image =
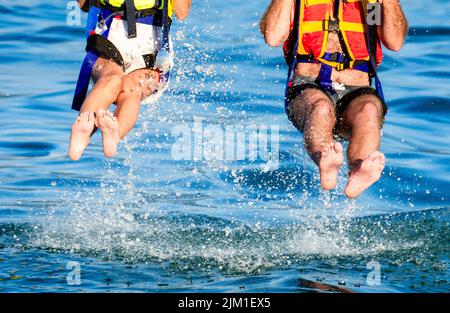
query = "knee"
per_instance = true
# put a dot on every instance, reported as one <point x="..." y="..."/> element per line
<point x="113" y="81"/>
<point x="369" y="112"/>
<point x="322" y="109"/>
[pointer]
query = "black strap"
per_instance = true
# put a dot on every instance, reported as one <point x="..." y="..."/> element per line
<point x="337" y="4"/>
<point x="131" y="18"/>
<point x="295" y="31"/>
<point x="149" y="60"/>
<point x="166" y="25"/>
<point x="104" y="47"/>
<point x="372" y="46"/>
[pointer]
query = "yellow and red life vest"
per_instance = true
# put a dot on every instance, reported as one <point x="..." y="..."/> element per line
<point x="315" y="25"/>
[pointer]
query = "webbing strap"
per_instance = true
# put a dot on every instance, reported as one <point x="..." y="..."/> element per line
<point x="83" y="80"/>
<point x="337" y="3"/>
<point x="165" y="39"/>
<point x="325" y="78"/>
<point x="92" y="19"/>
<point x="372" y="43"/>
<point x="131" y="18"/>
<point x="295" y="48"/>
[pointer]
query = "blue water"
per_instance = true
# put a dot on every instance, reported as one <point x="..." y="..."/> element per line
<point x="146" y="222"/>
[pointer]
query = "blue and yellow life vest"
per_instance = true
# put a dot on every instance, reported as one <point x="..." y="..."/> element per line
<point x="139" y="4"/>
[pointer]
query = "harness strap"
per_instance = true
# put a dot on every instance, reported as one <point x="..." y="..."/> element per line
<point x="131" y="18"/>
<point x="325" y="69"/>
<point x="102" y="46"/>
<point x="83" y="80"/>
<point x="92" y="19"/>
<point x="372" y="43"/>
<point x="166" y="26"/>
<point x="293" y="57"/>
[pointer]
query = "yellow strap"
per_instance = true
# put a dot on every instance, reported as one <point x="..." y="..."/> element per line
<point x="318" y="26"/>
<point x="312" y="27"/>
<point x="336" y="65"/>
<point x="317" y="2"/>
<point x="351" y="27"/>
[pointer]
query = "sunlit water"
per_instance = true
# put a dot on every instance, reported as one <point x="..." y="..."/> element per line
<point x="146" y="222"/>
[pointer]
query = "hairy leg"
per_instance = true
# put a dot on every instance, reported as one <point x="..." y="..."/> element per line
<point x="136" y="87"/>
<point x="363" y="120"/>
<point x="313" y="112"/>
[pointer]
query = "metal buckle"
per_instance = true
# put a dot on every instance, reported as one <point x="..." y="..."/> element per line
<point x="333" y="26"/>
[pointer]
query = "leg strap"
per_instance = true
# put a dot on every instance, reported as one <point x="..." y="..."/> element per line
<point x="83" y="80"/>
<point x="325" y="78"/>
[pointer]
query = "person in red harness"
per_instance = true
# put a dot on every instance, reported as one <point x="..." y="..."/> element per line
<point x="333" y="48"/>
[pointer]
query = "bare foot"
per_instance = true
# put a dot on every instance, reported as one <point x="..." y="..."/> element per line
<point x="81" y="134"/>
<point x="109" y="126"/>
<point x="330" y="159"/>
<point x="366" y="173"/>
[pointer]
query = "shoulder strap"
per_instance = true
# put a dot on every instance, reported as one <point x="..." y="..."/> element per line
<point x="295" y="38"/>
<point x="372" y="45"/>
<point x="337" y="4"/>
<point x="93" y="14"/>
<point x="165" y="43"/>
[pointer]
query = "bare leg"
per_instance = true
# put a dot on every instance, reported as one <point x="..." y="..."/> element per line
<point x="108" y="77"/>
<point x="108" y="80"/>
<point x="363" y="120"/>
<point x="136" y="87"/>
<point x="313" y="112"/>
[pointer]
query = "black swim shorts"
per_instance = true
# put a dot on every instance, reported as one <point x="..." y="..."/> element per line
<point x="342" y="97"/>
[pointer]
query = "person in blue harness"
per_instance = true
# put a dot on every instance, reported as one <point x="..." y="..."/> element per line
<point x="333" y="49"/>
<point x="129" y="57"/>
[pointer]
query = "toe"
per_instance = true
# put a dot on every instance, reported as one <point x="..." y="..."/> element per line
<point x="91" y="117"/>
<point x="337" y="147"/>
